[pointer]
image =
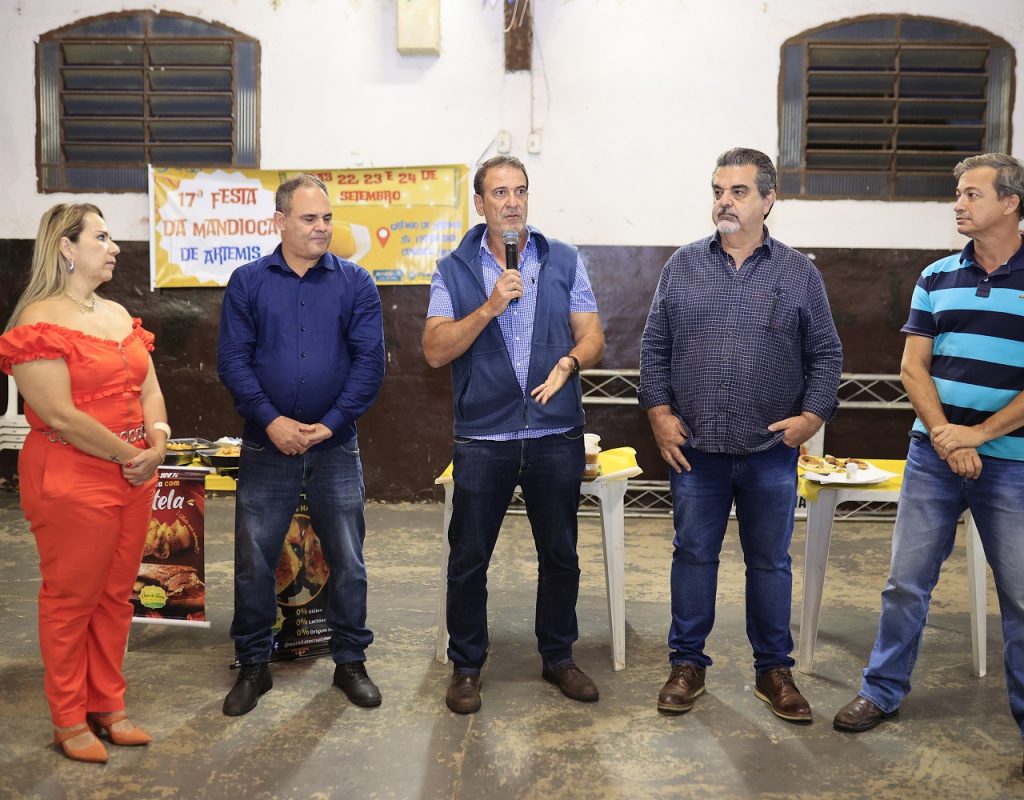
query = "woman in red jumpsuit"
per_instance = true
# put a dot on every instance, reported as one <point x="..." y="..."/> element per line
<point x="98" y="433"/>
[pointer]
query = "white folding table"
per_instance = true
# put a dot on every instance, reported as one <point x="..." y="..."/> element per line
<point x="821" y="508"/>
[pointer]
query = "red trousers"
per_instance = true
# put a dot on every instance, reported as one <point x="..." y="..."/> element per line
<point x="90" y="526"/>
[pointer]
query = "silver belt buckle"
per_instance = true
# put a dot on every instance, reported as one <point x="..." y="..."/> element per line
<point x="54" y="436"/>
<point x="133" y="434"/>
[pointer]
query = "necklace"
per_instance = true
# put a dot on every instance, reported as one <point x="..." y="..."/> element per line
<point x="85" y="308"/>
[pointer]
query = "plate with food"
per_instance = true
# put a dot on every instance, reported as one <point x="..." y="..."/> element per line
<point x="851" y="471"/>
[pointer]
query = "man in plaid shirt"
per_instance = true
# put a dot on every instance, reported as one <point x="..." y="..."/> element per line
<point x="739" y="365"/>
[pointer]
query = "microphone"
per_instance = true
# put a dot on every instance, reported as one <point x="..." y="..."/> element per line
<point x="511" y="240"/>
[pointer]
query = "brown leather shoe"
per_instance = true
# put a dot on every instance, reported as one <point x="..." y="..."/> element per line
<point x="573" y="682"/>
<point x="859" y="715"/>
<point x="777" y="689"/>
<point x="685" y="684"/>
<point x="463" y="695"/>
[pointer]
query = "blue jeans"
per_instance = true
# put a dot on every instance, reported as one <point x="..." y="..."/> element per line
<point x="269" y="484"/>
<point x="549" y="470"/>
<point x="931" y="501"/>
<point x="763" y="487"/>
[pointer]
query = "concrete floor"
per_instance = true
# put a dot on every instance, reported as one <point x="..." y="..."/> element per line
<point x="954" y="737"/>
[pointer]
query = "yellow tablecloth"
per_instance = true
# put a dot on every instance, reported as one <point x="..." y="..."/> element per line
<point x="216" y="482"/>
<point x="809" y="489"/>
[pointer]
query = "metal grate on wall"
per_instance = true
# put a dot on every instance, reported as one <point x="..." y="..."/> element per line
<point x="647" y="498"/>
<point x="884" y="108"/>
<point x="116" y="93"/>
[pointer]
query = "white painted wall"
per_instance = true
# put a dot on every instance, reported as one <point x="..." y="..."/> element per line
<point x="633" y="99"/>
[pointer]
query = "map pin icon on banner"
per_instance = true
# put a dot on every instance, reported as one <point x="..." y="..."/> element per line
<point x="383" y="234"/>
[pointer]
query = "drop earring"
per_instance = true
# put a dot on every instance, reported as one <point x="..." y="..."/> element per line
<point x="71" y="265"/>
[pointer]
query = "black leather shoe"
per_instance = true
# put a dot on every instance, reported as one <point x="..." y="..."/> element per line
<point x="859" y="715"/>
<point x="573" y="683"/>
<point x="352" y="679"/>
<point x="777" y="688"/>
<point x="253" y="681"/>
<point x="463" y="695"/>
<point x="685" y="684"/>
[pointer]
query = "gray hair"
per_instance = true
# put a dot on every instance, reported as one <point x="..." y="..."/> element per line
<point x="1009" y="174"/>
<point x="283" y="197"/>
<point x="495" y="163"/>
<point x="767" y="177"/>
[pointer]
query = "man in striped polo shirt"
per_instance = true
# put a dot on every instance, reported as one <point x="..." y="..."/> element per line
<point x="963" y="369"/>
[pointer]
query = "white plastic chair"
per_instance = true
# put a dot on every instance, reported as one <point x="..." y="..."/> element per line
<point x="13" y="426"/>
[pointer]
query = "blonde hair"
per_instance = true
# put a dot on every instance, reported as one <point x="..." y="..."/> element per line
<point x="48" y="276"/>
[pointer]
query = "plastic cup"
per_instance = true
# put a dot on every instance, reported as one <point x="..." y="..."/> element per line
<point x="591" y="452"/>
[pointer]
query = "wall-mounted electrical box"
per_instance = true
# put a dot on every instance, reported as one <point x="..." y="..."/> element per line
<point x="419" y="27"/>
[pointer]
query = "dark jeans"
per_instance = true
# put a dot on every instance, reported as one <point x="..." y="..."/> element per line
<point x="269" y="484"/>
<point x="486" y="473"/>
<point x="763" y="487"/>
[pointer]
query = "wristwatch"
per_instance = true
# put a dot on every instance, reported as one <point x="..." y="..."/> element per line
<point x="575" y="364"/>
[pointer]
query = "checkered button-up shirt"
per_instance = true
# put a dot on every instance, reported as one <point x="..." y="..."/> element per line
<point x="734" y="350"/>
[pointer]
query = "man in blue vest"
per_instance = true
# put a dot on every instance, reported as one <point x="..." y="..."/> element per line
<point x="963" y="369"/>
<point x="516" y="335"/>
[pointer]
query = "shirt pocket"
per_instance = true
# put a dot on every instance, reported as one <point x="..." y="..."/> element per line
<point x="775" y="312"/>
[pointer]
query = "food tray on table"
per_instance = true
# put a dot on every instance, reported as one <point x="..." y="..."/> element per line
<point x="181" y="452"/>
<point x="222" y="457"/>
<point x="222" y="454"/>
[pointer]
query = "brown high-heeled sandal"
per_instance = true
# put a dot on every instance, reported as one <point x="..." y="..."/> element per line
<point x="94" y="753"/>
<point x="132" y="737"/>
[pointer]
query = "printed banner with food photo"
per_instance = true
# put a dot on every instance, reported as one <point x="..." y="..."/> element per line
<point x="395" y="222"/>
<point x="301" y="581"/>
<point x="171" y="584"/>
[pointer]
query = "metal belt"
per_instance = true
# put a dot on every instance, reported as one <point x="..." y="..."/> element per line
<point x="130" y="435"/>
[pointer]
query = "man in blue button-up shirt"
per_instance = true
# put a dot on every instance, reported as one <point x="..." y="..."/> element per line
<point x="739" y="365"/>
<point x="302" y="352"/>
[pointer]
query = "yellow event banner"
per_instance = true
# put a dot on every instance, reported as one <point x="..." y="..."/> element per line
<point x="395" y="222"/>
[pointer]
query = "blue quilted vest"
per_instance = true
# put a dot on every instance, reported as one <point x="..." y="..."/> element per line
<point x="485" y="393"/>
